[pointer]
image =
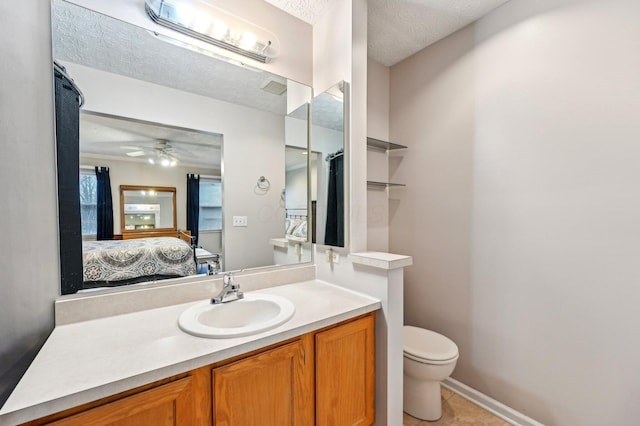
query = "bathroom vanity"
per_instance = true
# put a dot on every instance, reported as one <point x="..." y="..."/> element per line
<point x="140" y="368"/>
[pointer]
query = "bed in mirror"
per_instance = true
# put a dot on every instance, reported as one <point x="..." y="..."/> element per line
<point x="134" y="83"/>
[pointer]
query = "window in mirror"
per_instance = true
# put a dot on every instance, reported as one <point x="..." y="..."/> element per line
<point x="210" y="217"/>
<point x="88" y="203"/>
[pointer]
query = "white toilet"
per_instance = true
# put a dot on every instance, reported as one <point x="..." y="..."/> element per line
<point x="429" y="358"/>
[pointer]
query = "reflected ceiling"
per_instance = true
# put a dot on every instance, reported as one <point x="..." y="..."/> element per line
<point x="106" y="136"/>
<point x="85" y="37"/>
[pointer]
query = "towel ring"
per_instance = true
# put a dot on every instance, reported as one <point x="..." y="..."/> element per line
<point x="263" y="183"/>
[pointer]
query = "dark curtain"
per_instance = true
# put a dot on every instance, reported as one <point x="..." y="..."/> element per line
<point x="67" y="111"/>
<point x="334" y="229"/>
<point x="193" y="206"/>
<point x="105" y="205"/>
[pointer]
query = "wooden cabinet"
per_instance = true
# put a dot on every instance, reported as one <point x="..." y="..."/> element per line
<point x="268" y="389"/>
<point x="325" y="378"/>
<point x="345" y="374"/>
<point x="168" y="404"/>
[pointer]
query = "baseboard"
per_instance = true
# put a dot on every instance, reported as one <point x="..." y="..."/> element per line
<point x="499" y="409"/>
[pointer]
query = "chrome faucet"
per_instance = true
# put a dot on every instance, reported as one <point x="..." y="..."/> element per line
<point x="230" y="291"/>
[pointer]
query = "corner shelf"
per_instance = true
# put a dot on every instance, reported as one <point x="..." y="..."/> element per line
<point x="380" y="145"/>
<point x="384" y="145"/>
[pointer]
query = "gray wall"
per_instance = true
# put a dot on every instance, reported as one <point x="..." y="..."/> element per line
<point x="522" y="209"/>
<point x="29" y="271"/>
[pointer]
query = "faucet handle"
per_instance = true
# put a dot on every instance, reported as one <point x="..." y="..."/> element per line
<point x="228" y="279"/>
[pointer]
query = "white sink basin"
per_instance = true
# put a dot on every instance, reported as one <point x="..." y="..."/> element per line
<point x="255" y="313"/>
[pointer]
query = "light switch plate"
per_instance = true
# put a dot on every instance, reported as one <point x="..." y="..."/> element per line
<point x="239" y="221"/>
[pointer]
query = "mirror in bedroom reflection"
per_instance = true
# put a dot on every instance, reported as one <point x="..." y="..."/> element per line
<point x="155" y="114"/>
<point x="328" y="115"/>
<point x="147" y="208"/>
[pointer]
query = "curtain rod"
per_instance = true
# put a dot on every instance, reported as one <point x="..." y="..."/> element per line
<point x="334" y="155"/>
<point x="63" y="72"/>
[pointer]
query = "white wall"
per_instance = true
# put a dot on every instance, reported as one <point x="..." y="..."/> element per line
<point x="29" y="265"/>
<point x="377" y="161"/>
<point x="522" y="210"/>
<point x="296" y="188"/>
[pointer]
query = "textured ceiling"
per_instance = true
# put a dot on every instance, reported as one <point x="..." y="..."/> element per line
<point x="113" y="137"/>
<point x="399" y="28"/>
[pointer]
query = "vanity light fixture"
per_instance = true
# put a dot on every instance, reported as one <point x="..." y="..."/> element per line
<point x="195" y="19"/>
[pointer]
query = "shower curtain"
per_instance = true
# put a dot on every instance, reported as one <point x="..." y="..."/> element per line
<point x="334" y="229"/>
<point x="193" y="206"/>
<point x="104" y="204"/>
<point x="67" y="115"/>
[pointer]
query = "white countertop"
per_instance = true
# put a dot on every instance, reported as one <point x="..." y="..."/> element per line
<point x="89" y="360"/>
<point x="381" y="260"/>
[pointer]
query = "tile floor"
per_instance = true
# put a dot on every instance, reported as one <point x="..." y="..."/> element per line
<point x="457" y="411"/>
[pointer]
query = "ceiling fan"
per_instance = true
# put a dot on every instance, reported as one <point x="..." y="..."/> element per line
<point x="161" y="152"/>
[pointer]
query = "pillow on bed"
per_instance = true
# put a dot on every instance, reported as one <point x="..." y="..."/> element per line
<point x="300" y="230"/>
<point x="293" y="224"/>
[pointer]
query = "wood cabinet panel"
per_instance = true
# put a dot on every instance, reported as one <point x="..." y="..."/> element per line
<point x="268" y="389"/>
<point x="170" y="404"/>
<point x="345" y="374"/>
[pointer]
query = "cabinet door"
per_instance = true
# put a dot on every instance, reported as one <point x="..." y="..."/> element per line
<point x="170" y="404"/>
<point x="268" y="389"/>
<point x="345" y="374"/>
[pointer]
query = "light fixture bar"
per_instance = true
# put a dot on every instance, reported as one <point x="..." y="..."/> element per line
<point x="176" y="26"/>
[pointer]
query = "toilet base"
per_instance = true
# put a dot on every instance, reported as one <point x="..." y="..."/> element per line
<point x="422" y="399"/>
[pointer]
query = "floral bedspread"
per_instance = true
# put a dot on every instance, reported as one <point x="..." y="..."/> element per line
<point x="117" y="260"/>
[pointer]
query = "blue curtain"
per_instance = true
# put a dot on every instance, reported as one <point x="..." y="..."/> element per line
<point x="105" y="205"/>
<point x="68" y="165"/>
<point x="334" y="229"/>
<point x="193" y="206"/>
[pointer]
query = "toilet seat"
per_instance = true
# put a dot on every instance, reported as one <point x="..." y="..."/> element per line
<point x="428" y="347"/>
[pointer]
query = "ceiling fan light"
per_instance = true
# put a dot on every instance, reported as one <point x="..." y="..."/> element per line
<point x="151" y="161"/>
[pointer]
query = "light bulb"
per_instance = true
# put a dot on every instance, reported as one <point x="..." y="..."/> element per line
<point x="186" y="14"/>
<point x="201" y="24"/>
<point x="219" y="29"/>
<point x="151" y="161"/>
<point x="164" y="162"/>
<point x="248" y="41"/>
<point x="173" y="163"/>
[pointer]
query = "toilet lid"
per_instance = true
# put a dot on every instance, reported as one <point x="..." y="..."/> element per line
<point x="428" y="345"/>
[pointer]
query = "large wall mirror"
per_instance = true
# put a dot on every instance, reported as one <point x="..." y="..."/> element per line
<point x="157" y="114"/>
